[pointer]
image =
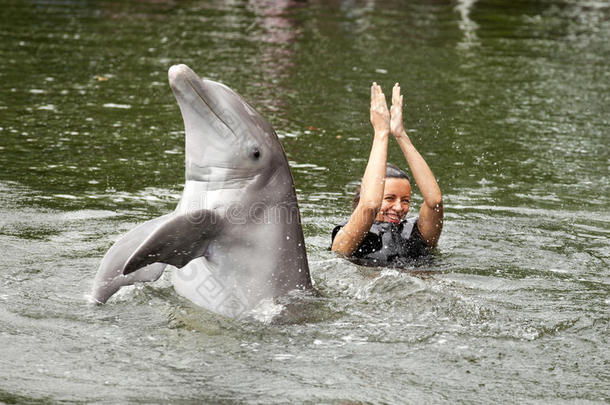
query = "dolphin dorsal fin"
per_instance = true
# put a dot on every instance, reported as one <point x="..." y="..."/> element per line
<point x="177" y="241"/>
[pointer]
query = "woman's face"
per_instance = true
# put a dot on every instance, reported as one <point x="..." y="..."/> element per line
<point x="396" y="200"/>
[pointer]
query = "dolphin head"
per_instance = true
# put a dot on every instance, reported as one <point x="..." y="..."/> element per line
<point x="226" y="139"/>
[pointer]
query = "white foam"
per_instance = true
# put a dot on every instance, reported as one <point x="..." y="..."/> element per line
<point x="113" y="105"/>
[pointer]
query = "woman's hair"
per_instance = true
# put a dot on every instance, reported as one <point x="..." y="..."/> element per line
<point x="392" y="172"/>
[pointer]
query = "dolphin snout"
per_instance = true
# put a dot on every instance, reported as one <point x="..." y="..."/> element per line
<point x="177" y="73"/>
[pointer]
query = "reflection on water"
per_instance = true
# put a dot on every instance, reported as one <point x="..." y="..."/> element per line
<point x="467" y="25"/>
<point x="506" y="101"/>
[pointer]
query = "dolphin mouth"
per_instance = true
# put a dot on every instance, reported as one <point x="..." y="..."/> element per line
<point x="183" y="80"/>
<point x="225" y="175"/>
<point x="181" y="75"/>
<point x="216" y="128"/>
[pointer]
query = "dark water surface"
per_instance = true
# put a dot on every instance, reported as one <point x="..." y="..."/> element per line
<point x="508" y="102"/>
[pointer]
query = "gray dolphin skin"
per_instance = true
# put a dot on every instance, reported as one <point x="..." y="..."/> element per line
<point x="235" y="237"/>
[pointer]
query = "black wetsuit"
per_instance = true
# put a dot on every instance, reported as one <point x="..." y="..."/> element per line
<point x="389" y="244"/>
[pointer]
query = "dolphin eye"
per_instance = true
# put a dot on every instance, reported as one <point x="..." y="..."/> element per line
<point x="256" y="153"/>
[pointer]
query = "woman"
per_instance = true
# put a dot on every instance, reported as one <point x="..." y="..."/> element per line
<point x="377" y="232"/>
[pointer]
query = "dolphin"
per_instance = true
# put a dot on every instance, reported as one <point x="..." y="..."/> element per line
<point x="235" y="237"/>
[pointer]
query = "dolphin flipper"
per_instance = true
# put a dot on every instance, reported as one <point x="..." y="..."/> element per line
<point x="178" y="240"/>
<point x="110" y="276"/>
<point x="173" y="239"/>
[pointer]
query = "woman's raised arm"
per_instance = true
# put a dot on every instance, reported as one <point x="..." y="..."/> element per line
<point x="430" y="221"/>
<point x="349" y="237"/>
